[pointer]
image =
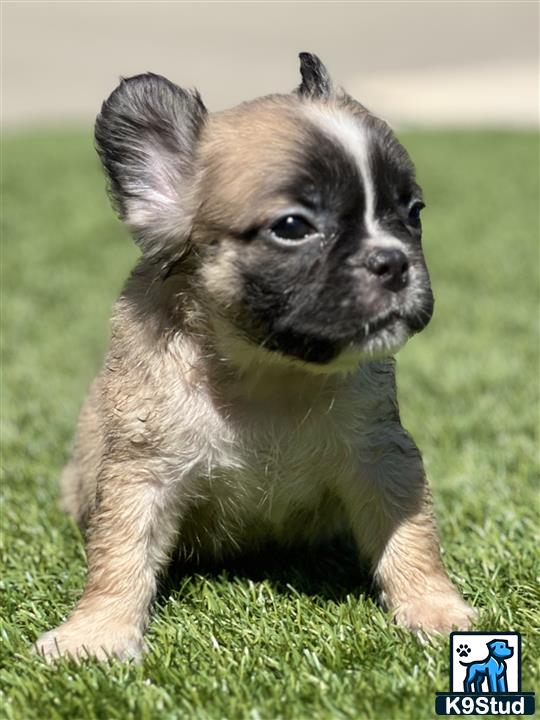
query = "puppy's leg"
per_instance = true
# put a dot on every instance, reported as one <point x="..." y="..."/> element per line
<point x="79" y="476"/>
<point x="395" y="528"/>
<point x="131" y="533"/>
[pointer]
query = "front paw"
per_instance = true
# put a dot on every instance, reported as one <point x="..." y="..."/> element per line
<point x="436" y="612"/>
<point x="82" y="638"/>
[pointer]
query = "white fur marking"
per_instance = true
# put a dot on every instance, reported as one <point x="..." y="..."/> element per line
<point x="354" y="138"/>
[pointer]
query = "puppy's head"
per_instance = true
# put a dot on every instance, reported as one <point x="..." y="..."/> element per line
<point x="302" y="212"/>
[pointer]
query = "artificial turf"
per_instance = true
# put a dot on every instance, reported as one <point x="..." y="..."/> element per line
<point x="299" y="635"/>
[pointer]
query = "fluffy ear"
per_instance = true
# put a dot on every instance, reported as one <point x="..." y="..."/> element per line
<point x="316" y="82"/>
<point x="146" y="135"/>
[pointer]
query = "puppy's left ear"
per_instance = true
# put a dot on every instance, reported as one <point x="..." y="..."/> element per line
<point x="146" y="136"/>
<point x="316" y="82"/>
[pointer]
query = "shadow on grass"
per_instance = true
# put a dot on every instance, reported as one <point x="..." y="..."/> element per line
<point x="330" y="571"/>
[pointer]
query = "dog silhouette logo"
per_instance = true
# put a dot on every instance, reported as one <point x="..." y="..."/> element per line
<point x="492" y="670"/>
<point x="485" y="676"/>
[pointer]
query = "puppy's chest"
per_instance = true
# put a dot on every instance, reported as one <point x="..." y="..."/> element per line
<point x="264" y="471"/>
<point x="248" y="468"/>
<point x="289" y="454"/>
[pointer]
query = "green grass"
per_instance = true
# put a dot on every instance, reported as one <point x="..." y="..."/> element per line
<point x="269" y="639"/>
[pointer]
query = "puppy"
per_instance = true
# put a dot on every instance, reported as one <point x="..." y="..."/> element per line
<point x="249" y="391"/>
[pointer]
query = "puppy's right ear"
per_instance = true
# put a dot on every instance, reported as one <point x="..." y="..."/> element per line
<point x="316" y="82"/>
<point x="146" y="135"/>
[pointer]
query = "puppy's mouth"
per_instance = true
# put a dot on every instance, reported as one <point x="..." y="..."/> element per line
<point x="382" y="334"/>
<point x="323" y="343"/>
<point x="387" y="332"/>
<point x="371" y="327"/>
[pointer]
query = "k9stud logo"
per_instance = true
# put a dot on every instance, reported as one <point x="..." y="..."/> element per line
<point x="485" y="676"/>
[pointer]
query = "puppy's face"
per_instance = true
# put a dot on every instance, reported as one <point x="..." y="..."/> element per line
<point x="310" y="218"/>
<point x="305" y="215"/>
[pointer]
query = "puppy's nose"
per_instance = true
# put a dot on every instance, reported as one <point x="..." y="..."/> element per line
<point x="391" y="267"/>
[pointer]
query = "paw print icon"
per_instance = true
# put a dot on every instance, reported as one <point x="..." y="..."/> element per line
<point x="463" y="650"/>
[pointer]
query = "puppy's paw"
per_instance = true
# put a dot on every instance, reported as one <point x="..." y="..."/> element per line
<point x="82" y="639"/>
<point x="439" y="612"/>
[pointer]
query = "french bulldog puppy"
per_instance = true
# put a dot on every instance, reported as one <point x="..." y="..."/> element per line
<point x="249" y="393"/>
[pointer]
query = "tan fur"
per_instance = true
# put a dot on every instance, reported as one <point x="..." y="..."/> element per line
<point x="189" y="439"/>
<point x="271" y="131"/>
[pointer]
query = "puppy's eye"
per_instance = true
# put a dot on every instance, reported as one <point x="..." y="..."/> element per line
<point x="415" y="209"/>
<point x="293" y="227"/>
